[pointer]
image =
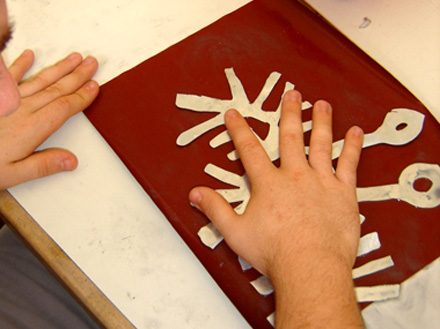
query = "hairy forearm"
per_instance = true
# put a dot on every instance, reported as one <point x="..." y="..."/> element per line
<point x="315" y="291"/>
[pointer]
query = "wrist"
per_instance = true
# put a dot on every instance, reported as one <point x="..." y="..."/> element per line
<point x="312" y="289"/>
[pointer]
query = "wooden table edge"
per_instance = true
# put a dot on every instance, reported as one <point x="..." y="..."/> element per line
<point x="60" y="264"/>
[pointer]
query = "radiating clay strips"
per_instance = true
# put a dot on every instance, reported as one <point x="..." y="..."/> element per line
<point x="400" y="126"/>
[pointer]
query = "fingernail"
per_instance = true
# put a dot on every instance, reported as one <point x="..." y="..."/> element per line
<point x="74" y="56"/>
<point x="91" y="85"/>
<point x="323" y="106"/>
<point x="67" y="164"/>
<point x="195" y="198"/>
<point x="293" y="95"/>
<point x="232" y="113"/>
<point x="27" y="52"/>
<point x="357" y="131"/>
<point x="89" y="60"/>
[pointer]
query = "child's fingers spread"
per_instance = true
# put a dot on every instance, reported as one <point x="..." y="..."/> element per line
<point x="64" y="86"/>
<point x="50" y="75"/>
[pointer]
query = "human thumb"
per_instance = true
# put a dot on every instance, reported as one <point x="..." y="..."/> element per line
<point x="215" y="207"/>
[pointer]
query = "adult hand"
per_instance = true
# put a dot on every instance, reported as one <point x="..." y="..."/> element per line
<point x="48" y="99"/>
<point x="301" y="226"/>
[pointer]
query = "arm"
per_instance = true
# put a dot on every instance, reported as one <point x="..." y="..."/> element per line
<point x="46" y="101"/>
<point x="301" y="227"/>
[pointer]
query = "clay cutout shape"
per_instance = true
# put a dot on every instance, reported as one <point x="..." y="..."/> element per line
<point x="405" y="189"/>
<point x="373" y="267"/>
<point x="389" y="131"/>
<point x="241" y="102"/>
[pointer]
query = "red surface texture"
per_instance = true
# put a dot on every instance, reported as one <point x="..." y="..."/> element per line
<point x="137" y="115"/>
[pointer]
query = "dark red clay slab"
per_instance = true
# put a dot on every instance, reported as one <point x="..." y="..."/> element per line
<point x="137" y="115"/>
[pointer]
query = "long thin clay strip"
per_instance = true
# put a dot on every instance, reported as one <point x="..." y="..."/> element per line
<point x="201" y="103"/>
<point x="377" y="293"/>
<point x="210" y="236"/>
<point x="368" y="243"/>
<point x="191" y="134"/>
<point x="405" y="190"/>
<point x="270" y="83"/>
<point x="373" y="267"/>
<point x="262" y="285"/>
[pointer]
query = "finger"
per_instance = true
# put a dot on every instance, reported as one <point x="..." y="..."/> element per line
<point x="252" y="154"/>
<point x="50" y="75"/>
<point x="41" y="164"/>
<point x="349" y="159"/>
<point x="21" y="65"/>
<point x="291" y="131"/>
<point x="320" y="152"/>
<point x="52" y="117"/>
<point x="216" y="208"/>
<point x="65" y="86"/>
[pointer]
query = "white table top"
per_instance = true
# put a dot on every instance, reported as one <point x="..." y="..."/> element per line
<point x="99" y="214"/>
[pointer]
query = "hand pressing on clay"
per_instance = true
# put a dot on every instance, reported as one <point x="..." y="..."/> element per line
<point x="301" y="227"/>
<point x="41" y="106"/>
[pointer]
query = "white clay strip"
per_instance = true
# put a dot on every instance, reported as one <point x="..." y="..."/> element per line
<point x="220" y="139"/>
<point x="387" y="133"/>
<point x="210" y="236"/>
<point x="202" y="103"/>
<point x="224" y="175"/>
<point x="373" y="267"/>
<point x="361" y="218"/>
<point x="245" y="266"/>
<point x="207" y="104"/>
<point x="232" y="195"/>
<point x="368" y="243"/>
<point x="237" y="90"/>
<point x="271" y="81"/>
<point x="377" y="293"/>
<point x="263" y="285"/>
<point x="405" y="190"/>
<point x="191" y="134"/>
<point x="271" y="319"/>
<point x="241" y="194"/>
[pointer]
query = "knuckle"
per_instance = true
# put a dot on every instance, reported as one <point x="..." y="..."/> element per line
<point x="249" y="145"/>
<point x="292" y="134"/>
<point x="43" y="168"/>
<point x="63" y="103"/>
<point x="39" y="79"/>
<point x="55" y="90"/>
